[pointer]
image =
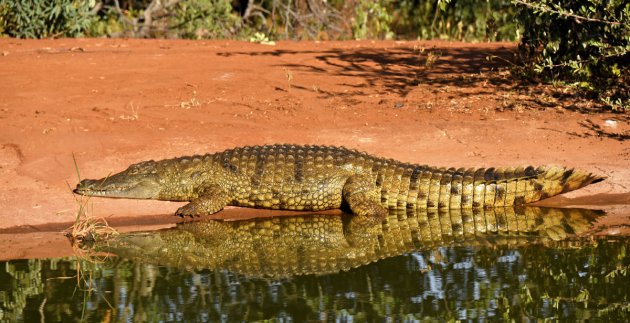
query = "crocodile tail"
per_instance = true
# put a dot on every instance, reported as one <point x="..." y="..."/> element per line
<point x="523" y="185"/>
<point x="554" y="180"/>
<point x="498" y="187"/>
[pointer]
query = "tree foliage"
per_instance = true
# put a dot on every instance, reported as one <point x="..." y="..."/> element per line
<point x="205" y="19"/>
<point x="583" y="42"/>
<point x="44" y="18"/>
<point x="467" y="20"/>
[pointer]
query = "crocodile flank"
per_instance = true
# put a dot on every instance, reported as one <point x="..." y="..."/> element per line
<point x="314" y="178"/>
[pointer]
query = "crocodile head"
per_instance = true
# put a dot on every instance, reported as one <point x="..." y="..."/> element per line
<point x="139" y="181"/>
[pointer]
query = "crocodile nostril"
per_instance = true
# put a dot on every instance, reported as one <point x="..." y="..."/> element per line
<point x="88" y="185"/>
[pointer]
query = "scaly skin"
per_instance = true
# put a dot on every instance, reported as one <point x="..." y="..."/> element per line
<point x="314" y="178"/>
<point x="319" y="244"/>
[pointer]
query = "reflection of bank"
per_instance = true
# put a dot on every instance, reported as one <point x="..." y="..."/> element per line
<point x="323" y="244"/>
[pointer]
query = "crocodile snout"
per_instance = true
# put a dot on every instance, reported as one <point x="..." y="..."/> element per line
<point x="87" y="186"/>
<point x="118" y="187"/>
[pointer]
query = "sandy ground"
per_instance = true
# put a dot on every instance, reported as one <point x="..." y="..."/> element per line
<point x="110" y="103"/>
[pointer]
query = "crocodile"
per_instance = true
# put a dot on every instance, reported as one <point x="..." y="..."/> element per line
<point x="316" y="178"/>
<point x="288" y="246"/>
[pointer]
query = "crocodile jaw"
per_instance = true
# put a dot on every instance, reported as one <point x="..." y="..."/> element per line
<point x="110" y="187"/>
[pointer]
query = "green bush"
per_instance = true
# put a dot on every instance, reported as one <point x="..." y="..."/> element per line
<point x="372" y="20"/>
<point x="583" y="42"/>
<point x="109" y="23"/>
<point x="205" y="19"/>
<point x="468" y="20"/>
<point x="46" y="18"/>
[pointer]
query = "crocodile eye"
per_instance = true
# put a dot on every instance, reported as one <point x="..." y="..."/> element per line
<point x="148" y="167"/>
<point x="134" y="170"/>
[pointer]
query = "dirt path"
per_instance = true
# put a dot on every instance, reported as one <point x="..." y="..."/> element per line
<point x="115" y="102"/>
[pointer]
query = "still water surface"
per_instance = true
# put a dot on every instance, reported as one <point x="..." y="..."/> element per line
<point x="510" y="264"/>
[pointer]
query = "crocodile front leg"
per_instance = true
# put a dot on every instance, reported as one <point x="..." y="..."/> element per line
<point x="363" y="197"/>
<point x="212" y="200"/>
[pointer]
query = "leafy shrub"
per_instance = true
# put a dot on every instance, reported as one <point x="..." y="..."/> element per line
<point x="205" y="19"/>
<point x="45" y="18"/>
<point x="468" y="20"/>
<point x="108" y="23"/>
<point x="583" y="42"/>
<point x="372" y="20"/>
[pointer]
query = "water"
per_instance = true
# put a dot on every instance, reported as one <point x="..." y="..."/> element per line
<point x="327" y="268"/>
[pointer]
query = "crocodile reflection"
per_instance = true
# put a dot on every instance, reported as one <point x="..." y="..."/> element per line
<point x="323" y="244"/>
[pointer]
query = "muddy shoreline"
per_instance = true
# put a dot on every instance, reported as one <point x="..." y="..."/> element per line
<point x="108" y="103"/>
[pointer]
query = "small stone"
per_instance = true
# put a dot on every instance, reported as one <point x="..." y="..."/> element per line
<point x="610" y="123"/>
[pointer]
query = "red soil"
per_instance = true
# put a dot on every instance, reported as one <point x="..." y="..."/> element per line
<point x="111" y="103"/>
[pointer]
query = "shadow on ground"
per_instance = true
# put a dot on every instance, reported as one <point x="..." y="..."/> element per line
<point x="596" y="130"/>
<point x="399" y="70"/>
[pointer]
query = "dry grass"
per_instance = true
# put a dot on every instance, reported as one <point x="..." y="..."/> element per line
<point x="86" y="227"/>
<point x="133" y="116"/>
<point x="289" y="75"/>
<point x="193" y="102"/>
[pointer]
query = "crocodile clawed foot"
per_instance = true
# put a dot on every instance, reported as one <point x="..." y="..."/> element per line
<point x="188" y="210"/>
